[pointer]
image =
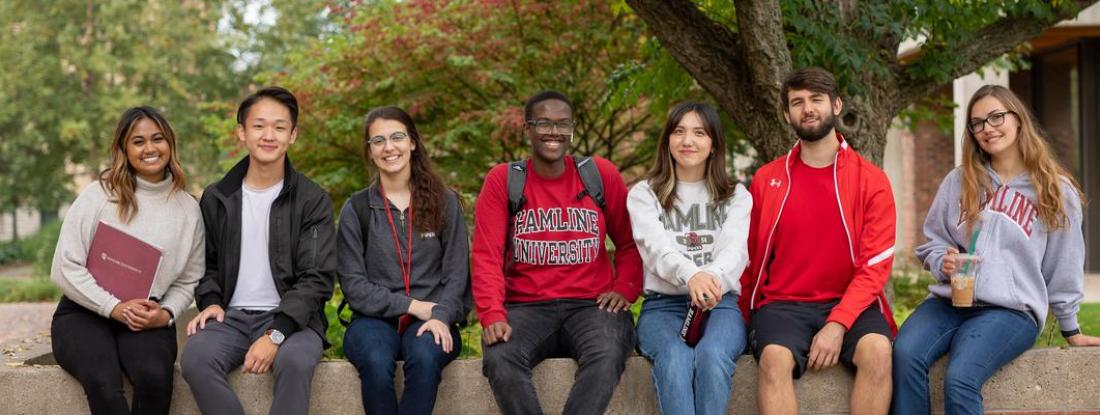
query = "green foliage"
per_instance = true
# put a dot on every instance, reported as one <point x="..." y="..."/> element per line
<point x="40" y="248"/>
<point x="13" y="251"/>
<point x="463" y="70"/>
<point x="910" y="289"/>
<point x="37" y="248"/>
<point x="71" y="67"/>
<point x="819" y="34"/>
<point x="28" y="290"/>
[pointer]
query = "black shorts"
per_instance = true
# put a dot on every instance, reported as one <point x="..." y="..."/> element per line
<point x="793" y="325"/>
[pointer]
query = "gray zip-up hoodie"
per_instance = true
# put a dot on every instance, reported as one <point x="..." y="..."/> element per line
<point x="1024" y="266"/>
<point x="370" y="276"/>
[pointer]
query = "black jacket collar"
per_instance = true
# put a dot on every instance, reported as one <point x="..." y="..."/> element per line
<point x="233" y="180"/>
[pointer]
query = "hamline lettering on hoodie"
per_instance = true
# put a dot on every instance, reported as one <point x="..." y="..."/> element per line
<point x="1011" y="204"/>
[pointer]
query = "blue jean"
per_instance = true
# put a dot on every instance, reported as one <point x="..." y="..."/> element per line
<point x="373" y="346"/>
<point x="978" y="342"/>
<point x="691" y="380"/>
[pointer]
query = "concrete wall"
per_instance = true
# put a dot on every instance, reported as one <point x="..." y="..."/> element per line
<point x="1039" y="381"/>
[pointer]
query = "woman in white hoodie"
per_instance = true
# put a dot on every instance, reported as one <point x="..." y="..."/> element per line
<point x="690" y="221"/>
<point x="98" y="337"/>
<point x="1014" y="206"/>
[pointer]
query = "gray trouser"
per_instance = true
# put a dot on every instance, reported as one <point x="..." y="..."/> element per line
<point x="221" y="347"/>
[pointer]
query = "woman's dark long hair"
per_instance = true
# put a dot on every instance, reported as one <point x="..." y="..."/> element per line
<point x="118" y="180"/>
<point x="425" y="185"/>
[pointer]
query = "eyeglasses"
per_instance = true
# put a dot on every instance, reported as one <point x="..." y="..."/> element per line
<point x="976" y="125"/>
<point x="395" y="138"/>
<point x="547" y="126"/>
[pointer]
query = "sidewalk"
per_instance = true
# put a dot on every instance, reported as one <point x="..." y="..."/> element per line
<point x="20" y="320"/>
<point x="20" y="271"/>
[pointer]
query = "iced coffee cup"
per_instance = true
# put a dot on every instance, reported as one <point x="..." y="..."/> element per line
<point x="962" y="282"/>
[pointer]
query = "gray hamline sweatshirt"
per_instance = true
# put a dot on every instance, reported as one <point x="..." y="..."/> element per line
<point x="1024" y="266"/>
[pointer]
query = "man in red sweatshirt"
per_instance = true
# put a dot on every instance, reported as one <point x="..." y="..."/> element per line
<point x="821" y="244"/>
<point x="542" y="279"/>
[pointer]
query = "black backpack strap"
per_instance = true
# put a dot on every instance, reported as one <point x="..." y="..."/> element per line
<point x="517" y="179"/>
<point x="360" y="204"/>
<point x="590" y="178"/>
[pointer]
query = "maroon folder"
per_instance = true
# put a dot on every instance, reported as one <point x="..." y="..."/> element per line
<point x="121" y="263"/>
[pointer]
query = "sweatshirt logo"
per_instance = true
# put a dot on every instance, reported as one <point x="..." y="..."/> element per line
<point x="692" y="241"/>
<point x="551" y="221"/>
<point x="775" y="183"/>
<point x="1012" y="205"/>
<point x="695" y="228"/>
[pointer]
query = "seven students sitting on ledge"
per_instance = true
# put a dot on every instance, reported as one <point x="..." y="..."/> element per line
<point x="791" y="270"/>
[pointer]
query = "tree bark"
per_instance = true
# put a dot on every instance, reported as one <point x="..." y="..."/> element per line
<point x="744" y="70"/>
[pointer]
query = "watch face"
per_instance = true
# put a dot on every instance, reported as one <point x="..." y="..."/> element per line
<point x="277" y="337"/>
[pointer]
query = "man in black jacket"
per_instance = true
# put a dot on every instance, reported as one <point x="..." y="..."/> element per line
<point x="270" y="266"/>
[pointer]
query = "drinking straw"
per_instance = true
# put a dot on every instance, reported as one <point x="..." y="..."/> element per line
<point x="973" y="242"/>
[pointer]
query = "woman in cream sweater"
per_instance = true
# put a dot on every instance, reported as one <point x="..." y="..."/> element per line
<point x="97" y="337"/>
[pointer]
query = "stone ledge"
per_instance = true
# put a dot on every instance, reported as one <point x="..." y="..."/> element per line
<point x="1040" y="381"/>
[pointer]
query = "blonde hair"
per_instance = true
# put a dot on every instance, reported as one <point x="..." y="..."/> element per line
<point x="1045" y="171"/>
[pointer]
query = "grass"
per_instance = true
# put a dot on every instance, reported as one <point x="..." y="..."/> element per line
<point x="1088" y="318"/>
<point x="28" y="290"/>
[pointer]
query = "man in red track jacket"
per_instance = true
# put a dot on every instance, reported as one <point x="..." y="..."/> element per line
<point x="542" y="278"/>
<point x="821" y="245"/>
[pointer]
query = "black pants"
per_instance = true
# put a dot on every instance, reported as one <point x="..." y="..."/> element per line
<point x="98" y="351"/>
<point x="599" y="340"/>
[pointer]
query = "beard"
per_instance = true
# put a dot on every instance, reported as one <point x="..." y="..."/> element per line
<point x="828" y="122"/>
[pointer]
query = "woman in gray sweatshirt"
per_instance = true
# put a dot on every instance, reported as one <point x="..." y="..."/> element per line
<point x="98" y="337"/>
<point x="404" y="269"/>
<point x="1014" y="206"/>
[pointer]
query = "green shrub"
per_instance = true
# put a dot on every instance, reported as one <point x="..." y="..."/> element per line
<point x="32" y="248"/>
<point x="910" y="289"/>
<point x="28" y="290"/>
<point x="40" y="248"/>
<point x="11" y="252"/>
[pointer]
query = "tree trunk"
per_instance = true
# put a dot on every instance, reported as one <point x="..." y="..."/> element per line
<point x="15" y="223"/>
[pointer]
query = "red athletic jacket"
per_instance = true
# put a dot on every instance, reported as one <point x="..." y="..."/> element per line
<point x="867" y="206"/>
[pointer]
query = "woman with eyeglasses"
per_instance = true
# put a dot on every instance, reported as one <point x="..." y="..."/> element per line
<point x="691" y="224"/>
<point x="1013" y="205"/>
<point x="403" y="268"/>
<point x="98" y="337"/>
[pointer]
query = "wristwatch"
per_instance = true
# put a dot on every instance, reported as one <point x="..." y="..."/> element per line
<point x="276" y="336"/>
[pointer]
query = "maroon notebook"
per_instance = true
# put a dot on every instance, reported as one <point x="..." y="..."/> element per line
<point x="121" y="263"/>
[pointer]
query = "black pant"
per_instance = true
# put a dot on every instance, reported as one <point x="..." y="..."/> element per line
<point x="98" y="351"/>
<point x="599" y="340"/>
